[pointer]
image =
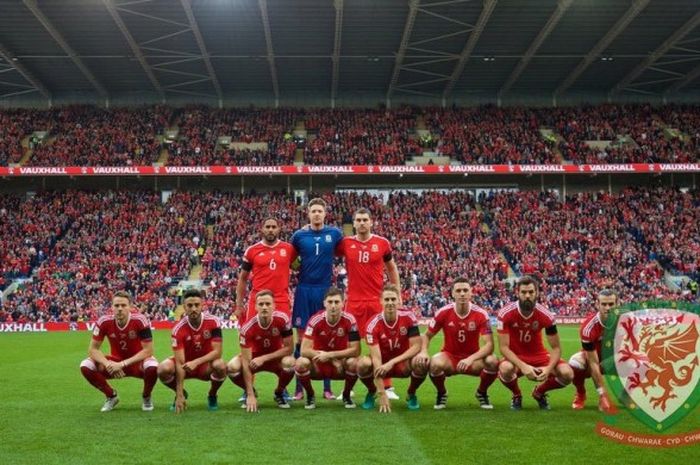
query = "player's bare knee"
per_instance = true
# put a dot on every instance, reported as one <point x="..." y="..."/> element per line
<point x="491" y="363"/>
<point x="302" y="364"/>
<point x="166" y="369"/>
<point x="565" y="373"/>
<point x="506" y="369"/>
<point x="219" y="366"/>
<point x="234" y="365"/>
<point x="350" y="365"/>
<point x="364" y="366"/>
<point x="578" y="361"/>
<point x="287" y="362"/>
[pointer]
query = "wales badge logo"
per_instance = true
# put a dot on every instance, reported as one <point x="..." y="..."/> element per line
<point x="651" y="353"/>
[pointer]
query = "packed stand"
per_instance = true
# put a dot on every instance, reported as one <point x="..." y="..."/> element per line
<point x="117" y="241"/>
<point x="91" y="136"/>
<point x="489" y="135"/>
<point x="360" y="137"/>
<point x="668" y="222"/>
<point x="637" y="133"/>
<point x="30" y="229"/>
<point x="200" y="128"/>
<point x="575" y="247"/>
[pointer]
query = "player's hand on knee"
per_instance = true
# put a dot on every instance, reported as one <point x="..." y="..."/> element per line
<point x="532" y="373"/>
<point x="322" y="357"/>
<point x="422" y="360"/>
<point x="463" y="365"/>
<point x="189" y="366"/>
<point x="119" y="373"/>
<point x="256" y="363"/>
<point x="543" y="373"/>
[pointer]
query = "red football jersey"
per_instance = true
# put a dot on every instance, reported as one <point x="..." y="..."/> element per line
<point x="123" y="342"/>
<point x="269" y="267"/>
<point x="393" y="340"/>
<point x="525" y="333"/>
<point x="329" y="337"/>
<point x="365" y="264"/>
<point x="591" y="332"/>
<point x="196" y="341"/>
<point x="266" y="340"/>
<point x="461" y="333"/>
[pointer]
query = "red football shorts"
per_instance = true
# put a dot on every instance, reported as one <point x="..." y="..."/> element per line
<point x="363" y="311"/>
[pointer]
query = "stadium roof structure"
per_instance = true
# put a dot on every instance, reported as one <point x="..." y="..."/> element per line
<point x="337" y="50"/>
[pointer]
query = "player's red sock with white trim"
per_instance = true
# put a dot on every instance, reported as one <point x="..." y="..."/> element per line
<point x="549" y="385"/>
<point x="215" y="385"/>
<point x="580" y="381"/>
<point x="439" y="382"/>
<point x="283" y="379"/>
<point x="150" y="377"/>
<point x="304" y="378"/>
<point x="238" y="380"/>
<point x="98" y="380"/>
<point x="369" y="382"/>
<point x="513" y="386"/>
<point x="350" y="380"/>
<point x="487" y="379"/>
<point x="415" y="384"/>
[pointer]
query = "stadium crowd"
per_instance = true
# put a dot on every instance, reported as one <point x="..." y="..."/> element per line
<point x="87" y="135"/>
<point x="84" y="246"/>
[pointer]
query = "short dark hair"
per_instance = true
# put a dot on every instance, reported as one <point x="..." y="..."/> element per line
<point x="316" y="201"/>
<point x="607" y="292"/>
<point x="123" y="294"/>
<point x="526" y="280"/>
<point x="192" y="293"/>
<point x="333" y="291"/>
<point x="263" y="293"/>
<point x="362" y="211"/>
<point x="460" y="280"/>
<point x="270" y="218"/>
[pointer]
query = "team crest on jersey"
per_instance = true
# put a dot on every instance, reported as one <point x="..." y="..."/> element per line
<point x="535" y="325"/>
<point x="341" y="332"/>
<point x="207" y="334"/>
<point x="132" y="334"/>
<point x="328" y="238"/>
<point x="403" y="331"/>
<point x="275" y="332"/>
<point x="375" y="248"/>
<point x="472" y="326"/>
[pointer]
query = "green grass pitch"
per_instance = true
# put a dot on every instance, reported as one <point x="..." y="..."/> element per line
<point x="50" y="415"/>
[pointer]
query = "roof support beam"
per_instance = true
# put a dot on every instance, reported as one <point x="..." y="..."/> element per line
<point x="690" y="77"/>
<point x="28" y="76"/>
<point x="187" y="6"/>
<point x="489" y="6"/>
<point x="270" y="50"/>
<point x="336" y="49"/>
<point x="134" y="46"/>
<point x="602" y="44"/>
<point x="401" y="54"/>
<point x="667" y="45"/>
<point x="562" y="6"/>
<point x="41" y="17"/>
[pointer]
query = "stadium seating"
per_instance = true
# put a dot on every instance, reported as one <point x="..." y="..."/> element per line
<point x="96" y="243"/>
<point x="85" y="135"/>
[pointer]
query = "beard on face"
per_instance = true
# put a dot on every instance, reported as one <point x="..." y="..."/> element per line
<point x="527" y="305"/>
